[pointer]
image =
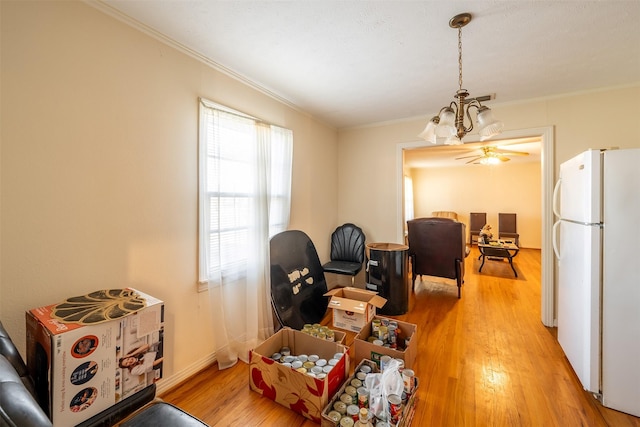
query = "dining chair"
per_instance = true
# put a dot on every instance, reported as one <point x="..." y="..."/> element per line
<point x="477" y="220"/>
<point x="507" y="229"/>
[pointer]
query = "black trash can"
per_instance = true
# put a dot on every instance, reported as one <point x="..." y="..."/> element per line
<point x="387" y="274"/>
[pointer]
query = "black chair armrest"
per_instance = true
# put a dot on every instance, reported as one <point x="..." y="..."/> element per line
<point x="122" y="409"/>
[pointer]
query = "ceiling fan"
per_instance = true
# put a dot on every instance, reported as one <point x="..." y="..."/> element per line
<point x="491" y="155"/>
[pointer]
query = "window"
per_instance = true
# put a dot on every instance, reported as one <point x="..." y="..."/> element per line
<point x="244" y="191"/>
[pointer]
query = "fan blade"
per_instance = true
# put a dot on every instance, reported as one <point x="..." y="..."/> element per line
<point x="468" y="157"/>
<point x="503" y="158"/>
<point x="474" y="160"/>
<point x="511" y="153"/>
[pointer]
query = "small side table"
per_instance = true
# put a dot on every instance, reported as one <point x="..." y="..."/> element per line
<point x="498" y="250"/>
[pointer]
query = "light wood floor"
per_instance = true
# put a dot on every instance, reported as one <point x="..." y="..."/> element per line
<point x="483" y="360"/>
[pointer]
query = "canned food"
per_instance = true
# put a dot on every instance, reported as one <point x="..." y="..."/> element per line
<point x="302" y="370"/>
<point x="378" y="342"/>
<point x="321" y="362"/>
<point x="363" y="397"/>
<point x="366" y="369"/>
<point x="316" y="370"/>
<point x="395" y="407"/>
<point x="352" y="411"/>
<point x="375" y="325"/>
<point x="333" y="362"/>
<point x="346" y="398"/>
<point x="340" y="407"/>
<point x="384" y="361"/>
<point x="289" y="359"/>
<point x="276" y="356"/>
<point x="321" y="376"/>
<point x="330" y="335"/>
<point x="338" y="356"/>
<point x="308" y="365"/>
<point x="303" y="358"/>
<point x="285" y="351"/>
<point x="327" y="368"/>
<point x="409" y="380"/>
<point x="334" y="416"/>
<point x="347" y="422"/>
<point x="313" y="358"/>
<point x="356" y="383"/>
<point x="361" y="375"/>
<point x="351" y="391"/>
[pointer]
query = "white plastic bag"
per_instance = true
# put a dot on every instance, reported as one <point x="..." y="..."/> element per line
<point x="381" y="386"/>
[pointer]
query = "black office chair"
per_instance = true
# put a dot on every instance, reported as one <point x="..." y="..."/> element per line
<point x="298" y="284"/>
<point x="477" y="220"/>
<point x="347" y="251"/>
<point x="507" y="229"/>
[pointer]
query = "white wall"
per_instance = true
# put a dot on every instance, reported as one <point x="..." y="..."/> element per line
<point x="368" y="172"/>
<point x="99" y="167"/>
<point x="479" y="188"/>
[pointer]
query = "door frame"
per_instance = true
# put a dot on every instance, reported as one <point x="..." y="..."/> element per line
<point x="547" y="159"/>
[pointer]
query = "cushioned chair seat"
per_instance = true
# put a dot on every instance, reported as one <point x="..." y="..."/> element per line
<point x="342" y="267"/>
<point x="161" y="413"/>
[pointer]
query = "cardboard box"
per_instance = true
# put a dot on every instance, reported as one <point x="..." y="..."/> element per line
<point x="74" y="350"/>
<point x="407" y="412"/>
<point x="300" y="392"/>
<point x="353" y="307"/>
<point x="366" y="350"/>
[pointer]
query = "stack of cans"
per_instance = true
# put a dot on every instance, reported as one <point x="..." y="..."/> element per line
<point x="312" y="364"/>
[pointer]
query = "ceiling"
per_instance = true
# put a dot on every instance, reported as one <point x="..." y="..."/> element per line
<point x="356" y="62"/>
<point x="432" y="156"/>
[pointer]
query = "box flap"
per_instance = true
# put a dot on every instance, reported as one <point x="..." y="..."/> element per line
<point x="347" y="304"/>
<point x="357" y="295"/>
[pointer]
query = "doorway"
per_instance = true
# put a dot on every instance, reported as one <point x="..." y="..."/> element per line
<point x="545" y="136"/>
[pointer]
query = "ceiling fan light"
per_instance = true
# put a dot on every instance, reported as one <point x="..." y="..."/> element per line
<point x="429" y="132"/>
<point x="488" y="125"/>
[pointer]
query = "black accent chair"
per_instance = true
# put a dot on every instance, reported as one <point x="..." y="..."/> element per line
<point x="298" y="284"/>
<point x="19" y="406"/>
<point x="437" y="247"/>
<point x="347" y="251"/>
<point x="477" y="220"/>
<point x="507" y="229"/>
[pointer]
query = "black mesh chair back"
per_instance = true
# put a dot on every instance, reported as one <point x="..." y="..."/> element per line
<point x="347" y="251"/>
<point x="298" y="284"/>
<point x="477" y="220"/>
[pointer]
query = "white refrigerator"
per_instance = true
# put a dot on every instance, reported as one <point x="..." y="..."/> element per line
<point x="597" y="245"/>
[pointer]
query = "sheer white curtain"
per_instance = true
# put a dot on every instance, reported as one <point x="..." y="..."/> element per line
<point x="245" y="197"/>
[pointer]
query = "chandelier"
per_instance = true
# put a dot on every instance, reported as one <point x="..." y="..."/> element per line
<point x="450" y="122"/>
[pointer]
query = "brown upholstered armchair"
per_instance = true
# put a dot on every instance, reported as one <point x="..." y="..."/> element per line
<point x="437" y="247"/>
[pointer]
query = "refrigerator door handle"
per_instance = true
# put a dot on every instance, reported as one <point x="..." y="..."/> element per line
<point x="554" y="239"/>
<point x="556" y="194"/>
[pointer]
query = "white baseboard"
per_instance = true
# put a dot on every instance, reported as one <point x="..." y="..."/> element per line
<point x="167" y="383"/>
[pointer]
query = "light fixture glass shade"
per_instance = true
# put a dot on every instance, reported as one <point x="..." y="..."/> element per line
<point x="488" y="125"/>
<point x="453" y="140"/>
<point x="446" y="127"/>
<point x="429" y="132"/>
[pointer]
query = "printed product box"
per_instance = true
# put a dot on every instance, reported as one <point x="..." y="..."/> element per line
<point x="367" y="350"/>
<point x="353" y="307"/>
<point x="293" y="389"/>
<point x="89" y="352"/>
<point x="408" y="409"/>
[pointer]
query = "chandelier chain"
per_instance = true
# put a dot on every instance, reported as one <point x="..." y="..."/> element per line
<point x="460" y="57"/>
